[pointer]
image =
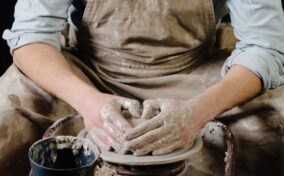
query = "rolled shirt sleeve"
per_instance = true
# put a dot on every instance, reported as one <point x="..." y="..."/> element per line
<point x="37" y="21"/>
<point x="258" y="25"/>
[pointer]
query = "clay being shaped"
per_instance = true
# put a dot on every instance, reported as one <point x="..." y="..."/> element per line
<point x="130" y="159"/>
<point x="172" y="128"/>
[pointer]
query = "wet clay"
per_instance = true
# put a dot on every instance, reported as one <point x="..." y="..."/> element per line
<point x="68" y="142"/>
<point x="62" y="152"/>
<point x="173" y="128"/>
<point x="106" y="171"/>
<point x="130" y="159"/>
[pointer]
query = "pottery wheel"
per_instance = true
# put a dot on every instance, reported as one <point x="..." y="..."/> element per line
<point x="132" y="160"/>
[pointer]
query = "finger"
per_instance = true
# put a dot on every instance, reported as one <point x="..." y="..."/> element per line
<point x="164" y="141"/>
<point x="115" y="117"/>
<point x="146" y="139"/>
<point x="105" y="137"/>
<point x="143" y="128"/>
<point x="168" y="148"/>
<point x="149" y="109"/>
<point x="102" y="145"/>
<point x="114" y="131"/>
<point x="132" y="106"/>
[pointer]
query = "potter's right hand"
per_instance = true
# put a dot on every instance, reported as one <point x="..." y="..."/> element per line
<point x="174" y="127"/>
<point x="104" y="120"/>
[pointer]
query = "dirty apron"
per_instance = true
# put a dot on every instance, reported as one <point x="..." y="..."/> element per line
<point x="158" y="48"/>
<point x="165" y="48"/>
<point x="147" y="49"/>
<point x="129" y="48"/>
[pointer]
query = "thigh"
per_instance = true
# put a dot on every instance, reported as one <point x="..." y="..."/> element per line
<point x="257" y="126"/>
<point x="26" y="111"/>
<point x="258" y="130"/>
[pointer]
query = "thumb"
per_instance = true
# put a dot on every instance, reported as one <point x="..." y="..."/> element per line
<point x="150" y="109"/>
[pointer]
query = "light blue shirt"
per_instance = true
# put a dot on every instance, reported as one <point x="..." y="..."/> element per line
<point x="258" y="25"/>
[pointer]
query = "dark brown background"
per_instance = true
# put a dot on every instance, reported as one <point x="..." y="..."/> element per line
<point x="6" y="19"/>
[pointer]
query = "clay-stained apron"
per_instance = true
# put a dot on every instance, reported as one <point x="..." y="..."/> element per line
<point x="148" y="49"/>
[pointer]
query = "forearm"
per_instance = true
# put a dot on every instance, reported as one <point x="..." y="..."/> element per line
<point x="239" y="85"/>
<point x="47" y="67"/>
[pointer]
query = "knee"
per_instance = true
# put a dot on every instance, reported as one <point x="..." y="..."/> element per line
<point x="16" y="136"/>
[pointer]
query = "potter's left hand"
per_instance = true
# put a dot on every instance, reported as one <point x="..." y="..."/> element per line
<point x="172" y="128"/>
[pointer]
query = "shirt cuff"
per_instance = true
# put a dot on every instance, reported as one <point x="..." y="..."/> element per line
<point x="18" y="39"/>
<point x="265" y="63"/>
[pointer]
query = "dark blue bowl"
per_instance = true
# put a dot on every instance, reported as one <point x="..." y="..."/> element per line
<point x="63" y="156"/>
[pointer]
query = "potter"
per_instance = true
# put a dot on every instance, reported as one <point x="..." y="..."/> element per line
<point x="83" y="56"/>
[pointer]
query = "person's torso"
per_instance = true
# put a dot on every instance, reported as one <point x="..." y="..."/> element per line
<point x="143" y="39"/>
<point x="78" y="6"/>
<point x="134" y="45"/>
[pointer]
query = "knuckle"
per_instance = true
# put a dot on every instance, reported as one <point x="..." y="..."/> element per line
<point x="104" y="116"/>
<point x="148" y="102"/>
<point x="135" y="103"/>
<point x="128" y="145"/>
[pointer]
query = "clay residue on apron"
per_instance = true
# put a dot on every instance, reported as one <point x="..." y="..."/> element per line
<point x="134" y="46"/>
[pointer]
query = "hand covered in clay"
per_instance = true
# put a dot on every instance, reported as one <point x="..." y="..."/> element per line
<point x="106" y="123"/>
<point x="169" y="127"/>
